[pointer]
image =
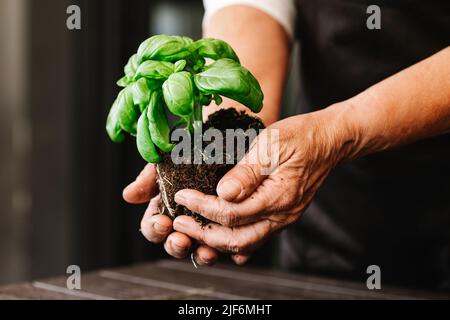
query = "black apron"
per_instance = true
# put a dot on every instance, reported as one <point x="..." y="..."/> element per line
<point x="391" y="209"/>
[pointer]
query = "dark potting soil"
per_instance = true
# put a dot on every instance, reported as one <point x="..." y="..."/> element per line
<point x="202" y="177"/>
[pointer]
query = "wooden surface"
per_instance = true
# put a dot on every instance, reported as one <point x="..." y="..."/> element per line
<point x="169" y="279"/>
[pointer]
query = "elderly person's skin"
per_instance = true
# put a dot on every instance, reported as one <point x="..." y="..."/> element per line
<point x="411" y="105"/>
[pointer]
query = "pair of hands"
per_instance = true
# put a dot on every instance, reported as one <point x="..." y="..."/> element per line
<point x="250" y="206"/>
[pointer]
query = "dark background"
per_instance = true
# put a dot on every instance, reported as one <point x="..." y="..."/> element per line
<point x="60" y="177"/>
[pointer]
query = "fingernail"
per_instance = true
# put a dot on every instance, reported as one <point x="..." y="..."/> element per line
<point x="180" y="198"/>
<point x="160" y="228"/>
<point x="229" y="189"/>
<point x="203" y="261"/>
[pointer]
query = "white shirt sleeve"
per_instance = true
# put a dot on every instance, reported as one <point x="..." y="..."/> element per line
<point x="281" y="10"/>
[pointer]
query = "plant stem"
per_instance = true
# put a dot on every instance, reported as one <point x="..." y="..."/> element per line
<point x="198" y="113"/>
<point x="189" y="126"/>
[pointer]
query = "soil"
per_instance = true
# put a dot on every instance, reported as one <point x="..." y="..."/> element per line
<point x="202" y="177"/>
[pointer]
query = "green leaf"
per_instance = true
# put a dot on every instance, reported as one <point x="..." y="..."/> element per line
<point x="164" y="48"/>
<point x="131" y="66"/>
<point x="158" y="124"/>
<point x="217" y="99"/>
<point x="228" y="78"/>
<point x="142" y="107"/>
<point x="178" y="92"/>
<point x="179" y="65"/>
<point x="179" y="122"/>
<point x="141" y="92"/>
<point x="214" y="49"/>
<point x="127" y="113"/>
<point x="123" y="82"/>
<point x="196" y="62"/>
<point x="154" y="84"/>
<point x="144" y="143"/>
<point x="204" y="99"/>
<point x="112" y="124"/>
<point x="158" y="70"/>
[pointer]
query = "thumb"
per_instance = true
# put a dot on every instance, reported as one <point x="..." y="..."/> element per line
<point x="240" y="182"/>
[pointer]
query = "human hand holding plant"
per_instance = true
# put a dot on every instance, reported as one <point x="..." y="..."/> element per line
<point x="156" y="227"/>
<point x="250" y="205"/>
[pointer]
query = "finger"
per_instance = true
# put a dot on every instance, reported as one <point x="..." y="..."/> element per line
<point x="226" y="213"/>
<point x="205" y="255"/>
<point x="178" y="245"/>
<point x="143" y="188"/>
<point x="241" y="259"/>
<point x="153" y="207"/>
<point x="154" y="226"/>
<point x="235" y="240"/>
<point x="239" y="182"/>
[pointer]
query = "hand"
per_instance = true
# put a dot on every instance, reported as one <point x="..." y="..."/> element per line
<point x="251" y="206"/>
<point x="158" y="228"/>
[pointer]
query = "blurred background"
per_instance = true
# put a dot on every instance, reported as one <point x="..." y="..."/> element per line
<point x="61" y="178"/>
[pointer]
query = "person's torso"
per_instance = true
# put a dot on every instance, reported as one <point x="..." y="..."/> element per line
<point x="390" y="208"/>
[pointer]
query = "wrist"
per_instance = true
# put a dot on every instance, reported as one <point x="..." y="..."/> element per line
<point x="347" y="138"/>
<point x="356" y="125"/>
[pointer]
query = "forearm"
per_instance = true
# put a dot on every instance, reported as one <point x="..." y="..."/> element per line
<point x="411" y="105"/>
<point x="262" y="46"/>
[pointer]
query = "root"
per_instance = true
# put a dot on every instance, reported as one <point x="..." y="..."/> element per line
<point x="162" y="190"/>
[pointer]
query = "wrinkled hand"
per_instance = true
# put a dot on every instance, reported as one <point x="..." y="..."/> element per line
<point x="251" y="206"/>
<point x="158" y="228"/>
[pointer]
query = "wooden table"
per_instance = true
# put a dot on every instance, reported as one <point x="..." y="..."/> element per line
<point x="170" y="279"/>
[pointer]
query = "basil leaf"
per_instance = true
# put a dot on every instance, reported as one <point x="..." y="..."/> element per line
<point x="179" y="65"/>
<point x="164" y="48"/>
<point x="154" y="84"/>
<point x="112" y="124"/>
<point x="196" y="62"/>
<point x="131" y="66"/>
<point x="217" y="99"/>
<point x="228" y="78"/>
<point x="123" y="82"/>
<point x="214" y="49"/>
<point x="158" y="124"/>
<point x="204" y="100"/>
<point x="141" y="92"/>
<point x="159" y="70"/>
<point x="179" y="122"/>
<point x="144" y="143"/>
<point x="127" y="113"/>
<point x="178" y="92"/>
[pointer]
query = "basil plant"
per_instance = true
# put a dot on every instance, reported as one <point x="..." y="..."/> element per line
<point x="170" y="74"/>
